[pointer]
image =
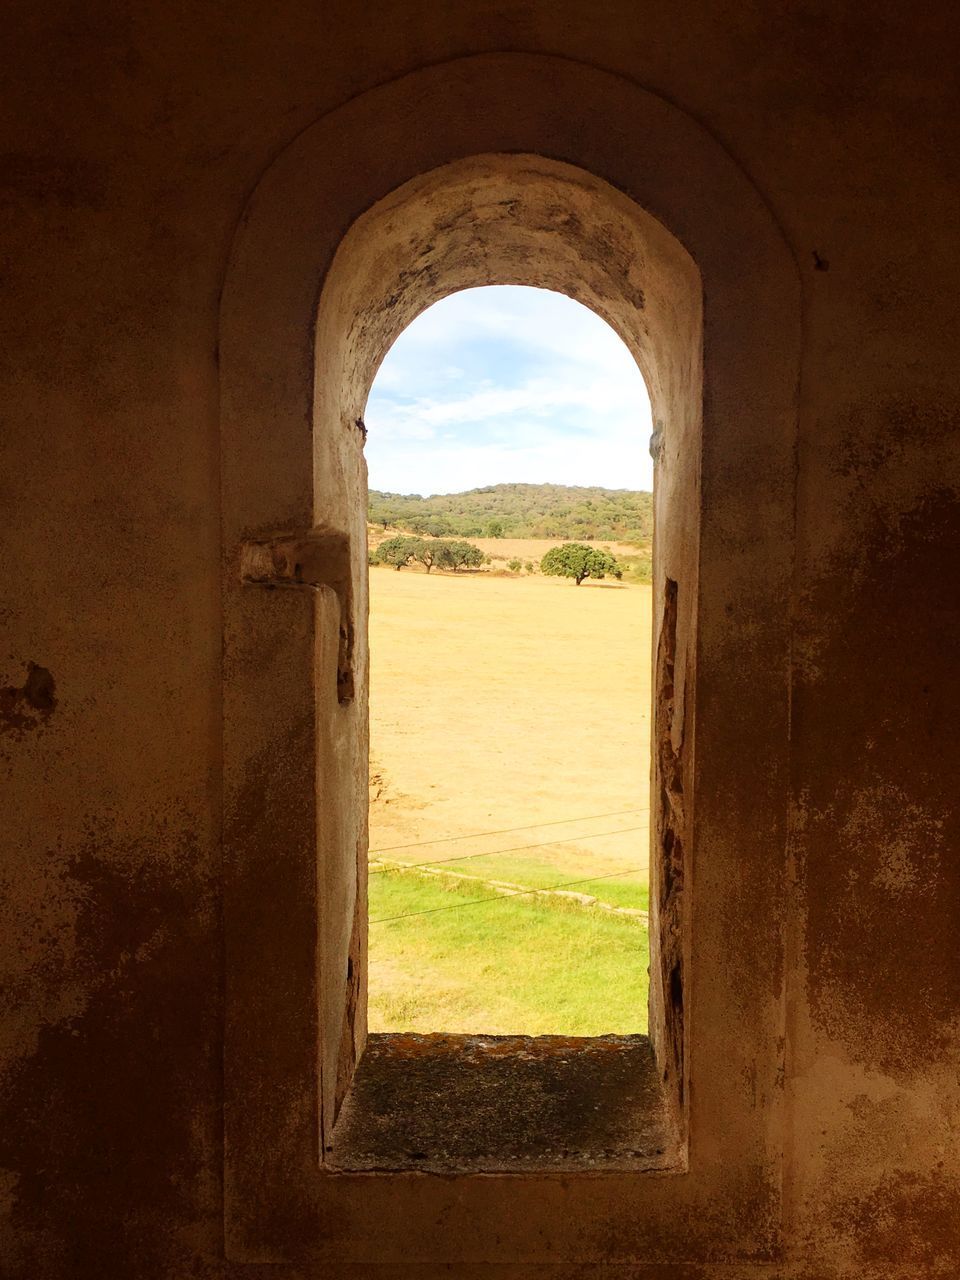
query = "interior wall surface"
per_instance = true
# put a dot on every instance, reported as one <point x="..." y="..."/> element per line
<point x="504" y="210"/>
<point x="133" y="140"/>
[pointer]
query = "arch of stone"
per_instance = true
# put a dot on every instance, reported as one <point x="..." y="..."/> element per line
<point x="504" y="169"/>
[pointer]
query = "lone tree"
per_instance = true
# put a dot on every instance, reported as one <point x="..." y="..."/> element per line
<point x="577" y="561"/>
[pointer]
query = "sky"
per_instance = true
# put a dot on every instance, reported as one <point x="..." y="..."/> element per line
<point x="507" y="385"/>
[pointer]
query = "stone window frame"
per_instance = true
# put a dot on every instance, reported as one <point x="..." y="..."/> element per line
<point x="295" y="739"/>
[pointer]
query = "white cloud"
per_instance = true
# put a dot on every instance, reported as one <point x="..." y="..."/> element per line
<point x="507" y="384"/>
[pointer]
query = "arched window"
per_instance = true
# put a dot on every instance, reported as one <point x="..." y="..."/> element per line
<point x="521" y="220"/>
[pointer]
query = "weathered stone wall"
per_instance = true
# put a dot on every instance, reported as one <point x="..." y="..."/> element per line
<point x="133" y="139"/>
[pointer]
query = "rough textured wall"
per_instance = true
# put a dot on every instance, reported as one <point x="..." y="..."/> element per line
<point x="131" y="140"/>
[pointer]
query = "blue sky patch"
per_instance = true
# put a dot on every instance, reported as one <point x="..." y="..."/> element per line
<point x="507" y="385"/>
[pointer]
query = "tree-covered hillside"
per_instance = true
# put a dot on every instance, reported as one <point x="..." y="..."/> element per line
<point x="520" y="511"/>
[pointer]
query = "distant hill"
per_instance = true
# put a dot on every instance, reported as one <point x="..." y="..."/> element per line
<point x="520" y="511"/>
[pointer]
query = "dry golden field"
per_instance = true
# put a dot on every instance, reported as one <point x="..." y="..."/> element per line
<point x="510" y="720"/>
<point x="505" y="702"/>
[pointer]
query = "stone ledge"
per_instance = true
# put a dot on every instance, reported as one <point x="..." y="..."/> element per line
<point x="504" y="1104"/>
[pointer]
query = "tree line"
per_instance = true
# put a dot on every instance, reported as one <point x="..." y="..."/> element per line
<point x="571" y="560"/>
<point x="520" y="511"/>
<point x="432" y="553"/>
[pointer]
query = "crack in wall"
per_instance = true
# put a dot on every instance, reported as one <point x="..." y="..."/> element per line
<point x="670" y="834"/>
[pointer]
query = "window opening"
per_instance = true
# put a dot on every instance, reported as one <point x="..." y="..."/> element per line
<point x="510" y="526"/>
<point x="451" y="230"/>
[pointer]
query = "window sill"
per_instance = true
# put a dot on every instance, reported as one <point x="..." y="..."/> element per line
<point x="504" y="1104"/>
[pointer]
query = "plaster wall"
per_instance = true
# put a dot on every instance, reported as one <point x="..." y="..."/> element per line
<point x="132" y="141"/>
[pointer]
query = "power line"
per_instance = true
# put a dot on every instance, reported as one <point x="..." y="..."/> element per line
<point x="500" y="897"/>
<point x="505" y="831"/>
<point x="519" y="848"/>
